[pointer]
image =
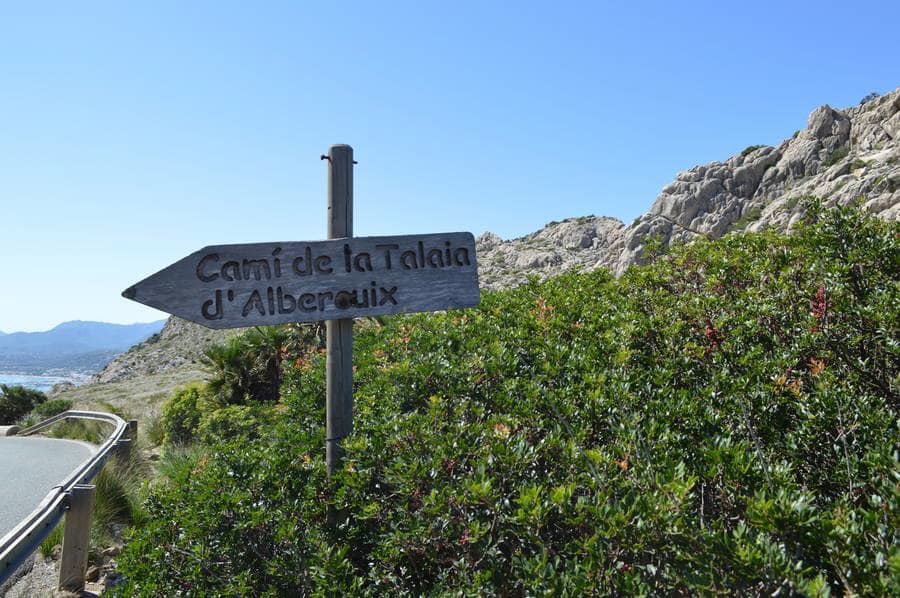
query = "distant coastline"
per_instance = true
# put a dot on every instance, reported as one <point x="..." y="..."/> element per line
<point x="42" y="382"/>
<point x="70" y="352"/>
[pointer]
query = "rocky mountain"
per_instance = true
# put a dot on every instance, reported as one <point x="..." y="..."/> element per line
<point x="77" y="345"/>
<point x="841" y="156"/>
<point x="179" y="343"/>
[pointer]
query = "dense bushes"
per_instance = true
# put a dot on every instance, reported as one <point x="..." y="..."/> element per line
<point x="248" y="367"/>
<point x="181" y="414"/>
<point x="245" y="380"/>
<point x="233" y="421"/>
<point x="192" y="414"/>
<point x="17" y="401"/>
<point x="52" y="407"/>
<point x="722" y="421"/>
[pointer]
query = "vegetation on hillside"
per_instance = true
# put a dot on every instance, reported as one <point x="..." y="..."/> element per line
<point x="245" y="377"/>
<point x="723" y="420"/>
<point x="18" y="401"/>
<point x="119" y="494"/>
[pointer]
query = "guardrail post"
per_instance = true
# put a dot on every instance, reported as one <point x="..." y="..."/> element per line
<point x="132" y="429"/>
<point x="76" y="538"/>
<point x="123" y="450"/>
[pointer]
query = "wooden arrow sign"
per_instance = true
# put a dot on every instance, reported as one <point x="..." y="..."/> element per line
<point x="234" y="286"/>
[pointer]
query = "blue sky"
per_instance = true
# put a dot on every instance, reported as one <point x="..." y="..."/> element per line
<point x="132" y="135"/>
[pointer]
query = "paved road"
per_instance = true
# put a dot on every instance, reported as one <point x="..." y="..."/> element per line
<point x="29" y="468"/>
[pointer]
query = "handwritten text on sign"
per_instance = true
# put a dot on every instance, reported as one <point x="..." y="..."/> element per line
<point x="229" y="286"/>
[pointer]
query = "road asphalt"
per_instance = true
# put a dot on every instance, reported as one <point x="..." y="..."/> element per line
<point x="29" y="468"/>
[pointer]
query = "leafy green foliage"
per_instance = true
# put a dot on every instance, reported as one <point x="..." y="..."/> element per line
<point x="857" y="164"/>
<point x="53" y="538"/>
<point x="177" y="461"/>
<point x="17" y="401"/>
<point x="80" y="429"/>
<point x="232" y="421"/>
<point x="749" y="217"/>
<point x="246" y="375"/>
<point x="721" y="421"/>
<point x="181" y="414"/>
<point x="248" y="367"/>
<point x="836" y="156"/>
<point x="52" y="407"/>
<point x="750" y="149"/>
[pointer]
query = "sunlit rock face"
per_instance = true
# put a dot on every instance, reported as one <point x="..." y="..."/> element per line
<point x="840" y="156"/>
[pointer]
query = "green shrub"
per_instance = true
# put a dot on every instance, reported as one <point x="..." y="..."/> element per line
<point x="248" y="367"/>
<point x="153" y="430"/>
<point x="722" y="421"/>
<point x="230" y="422"/>
<point x="79" y="429"/>
<point x="52" y="407"/>
<point x="857" y="164"/>
<point x="177" y="462"/>
<point x="112" y="505"/>
<point x="16" y="402"/>
<point x="749" y="217"/>
<point x="836" y="156"/>
<point x="181" y="414"/>
<point x="52" y="540"/>
<point x="118" y="498"/>
<point x="750" y="149"/>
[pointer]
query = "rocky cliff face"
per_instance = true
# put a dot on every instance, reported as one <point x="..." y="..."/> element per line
<point x="575" y="242"/>
<point x="840" y="156"/>
<point x="178" y="344"/>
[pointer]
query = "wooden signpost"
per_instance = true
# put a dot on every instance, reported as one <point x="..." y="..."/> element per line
<point x="236" y="286"/>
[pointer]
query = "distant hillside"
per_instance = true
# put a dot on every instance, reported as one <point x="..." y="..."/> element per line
<point x="80" y="346"/>
<point x="179" y="344"/>
<point x="138" y="380"/>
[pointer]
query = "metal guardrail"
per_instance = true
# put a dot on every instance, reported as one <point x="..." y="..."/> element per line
<point x="23" y="540"/>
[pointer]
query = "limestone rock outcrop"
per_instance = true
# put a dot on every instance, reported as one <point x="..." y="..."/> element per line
<point x="840" y="156"/>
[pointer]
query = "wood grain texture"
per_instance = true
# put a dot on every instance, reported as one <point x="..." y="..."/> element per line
<point x="76" y="538"/>
<point x="339" y="333"/>
<point x="234" y="286"/>
<point x="340" y="192"/>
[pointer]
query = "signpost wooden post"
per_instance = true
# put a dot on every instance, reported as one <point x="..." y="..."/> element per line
<point x="339" y="333"/>
<point x="260" y="284"/>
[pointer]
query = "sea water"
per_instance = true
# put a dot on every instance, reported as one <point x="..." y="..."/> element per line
<point x="42" y="383"/>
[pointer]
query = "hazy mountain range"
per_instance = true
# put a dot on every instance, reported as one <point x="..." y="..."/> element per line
<point x="74" y="346"/>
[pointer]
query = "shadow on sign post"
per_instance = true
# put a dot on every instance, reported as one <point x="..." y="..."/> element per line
<point x="336" y="280"/>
